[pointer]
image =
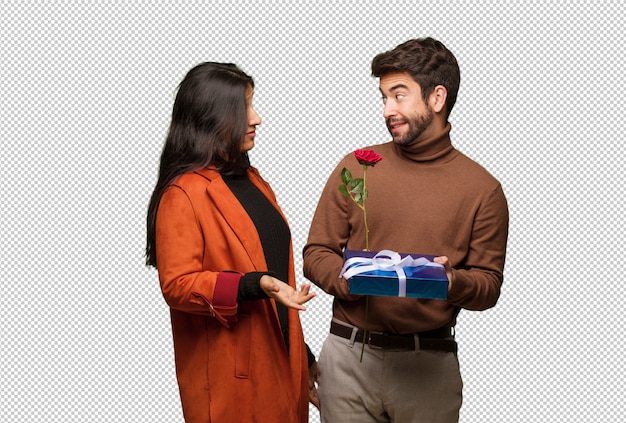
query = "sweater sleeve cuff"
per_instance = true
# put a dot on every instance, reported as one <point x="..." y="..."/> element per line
<point x="250" y="286"/>
<point x="226" y="289"/>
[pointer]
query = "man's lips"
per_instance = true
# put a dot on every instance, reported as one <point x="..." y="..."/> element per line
<point x="395" y="126"/>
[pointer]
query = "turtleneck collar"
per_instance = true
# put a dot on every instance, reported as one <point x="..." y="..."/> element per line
<point x="238" y="168"/>
<point x="429" y="149"/>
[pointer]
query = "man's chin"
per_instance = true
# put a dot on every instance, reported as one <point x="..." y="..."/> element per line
<point x="400" y="140"/>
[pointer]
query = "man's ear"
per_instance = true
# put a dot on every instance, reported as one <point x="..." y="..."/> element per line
<point x="438" y="99"/>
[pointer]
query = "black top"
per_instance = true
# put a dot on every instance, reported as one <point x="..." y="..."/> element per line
<point x="275" y="239"/>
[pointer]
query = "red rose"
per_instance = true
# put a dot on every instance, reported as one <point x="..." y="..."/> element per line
<point x="355" y="187"/>
<point x="367" y="157"/>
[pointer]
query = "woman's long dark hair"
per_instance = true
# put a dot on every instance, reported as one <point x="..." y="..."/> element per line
<point x="209" y="122"/>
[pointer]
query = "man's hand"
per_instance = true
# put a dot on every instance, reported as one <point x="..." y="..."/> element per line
<point x="446" y="265"/>
<point x="285" y="294"/>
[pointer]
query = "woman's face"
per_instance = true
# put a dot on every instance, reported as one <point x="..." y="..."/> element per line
<point x="253" y="120"/>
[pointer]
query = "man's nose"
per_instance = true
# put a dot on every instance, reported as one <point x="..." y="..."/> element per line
<point x="389" y="109"/>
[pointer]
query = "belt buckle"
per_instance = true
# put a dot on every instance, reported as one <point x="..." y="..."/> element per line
<point x="377" y="347"/>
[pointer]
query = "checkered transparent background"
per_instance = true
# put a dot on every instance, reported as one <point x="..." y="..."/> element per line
<point x="87" y="88"/>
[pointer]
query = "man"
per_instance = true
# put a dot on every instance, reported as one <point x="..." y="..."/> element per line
<point x="424" y="197"/>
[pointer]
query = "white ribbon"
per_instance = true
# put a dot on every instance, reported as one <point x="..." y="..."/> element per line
<point x="385" y="260"/>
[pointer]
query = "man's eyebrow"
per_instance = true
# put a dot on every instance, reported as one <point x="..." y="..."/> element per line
<point x="396" y="87"/>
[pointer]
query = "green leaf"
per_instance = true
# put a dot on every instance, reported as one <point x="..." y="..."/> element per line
<point x="364" y="195"/>
<point x="358" y="198"/>
<point x="356" y="185"/>
<point x="346" y="176"/>
<point x="344" y="190"/>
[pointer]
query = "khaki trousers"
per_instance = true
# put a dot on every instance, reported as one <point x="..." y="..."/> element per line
<point x="387" y="386"/>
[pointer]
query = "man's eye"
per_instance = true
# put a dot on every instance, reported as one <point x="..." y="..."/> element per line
<point x="399" y="96"/>
<point x="384" y="99"/>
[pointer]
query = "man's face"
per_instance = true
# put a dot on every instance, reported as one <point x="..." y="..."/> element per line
<point x="406" y="114"/>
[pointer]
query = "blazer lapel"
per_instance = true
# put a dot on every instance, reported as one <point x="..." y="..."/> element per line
<point x="235" y="215"/>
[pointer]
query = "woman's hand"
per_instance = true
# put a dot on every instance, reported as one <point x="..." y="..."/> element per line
<point x="285" y="294"/>
<point x="314" y="373"/>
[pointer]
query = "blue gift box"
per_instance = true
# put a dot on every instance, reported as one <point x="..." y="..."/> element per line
<point x="422" y="277"/>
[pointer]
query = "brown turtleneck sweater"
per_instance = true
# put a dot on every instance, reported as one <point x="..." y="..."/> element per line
<point x="426" y="198"/>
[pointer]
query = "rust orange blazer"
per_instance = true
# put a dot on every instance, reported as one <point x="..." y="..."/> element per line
<point x="231" y="361"/>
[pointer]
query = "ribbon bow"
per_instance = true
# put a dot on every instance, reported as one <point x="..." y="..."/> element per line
<point x="388" y="261"/>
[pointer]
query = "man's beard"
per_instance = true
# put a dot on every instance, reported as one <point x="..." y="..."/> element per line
<point x="417" y="125"/>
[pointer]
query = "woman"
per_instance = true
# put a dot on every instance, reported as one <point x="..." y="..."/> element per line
<point x="225" y="261"/>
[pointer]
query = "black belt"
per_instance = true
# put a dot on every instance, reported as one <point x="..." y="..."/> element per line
<point x="430" y="340"/>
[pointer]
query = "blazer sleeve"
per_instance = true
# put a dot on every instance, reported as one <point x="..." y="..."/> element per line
<point x="180" y="250"/>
